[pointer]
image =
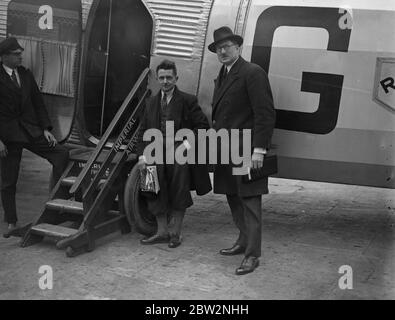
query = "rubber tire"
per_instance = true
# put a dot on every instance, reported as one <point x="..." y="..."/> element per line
<point x="136" y="205"/>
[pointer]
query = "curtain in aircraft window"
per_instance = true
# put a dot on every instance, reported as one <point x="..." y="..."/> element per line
<point x="52" y="64"/>
<point x="59" y="64"/>
<point x="32" y="57"/>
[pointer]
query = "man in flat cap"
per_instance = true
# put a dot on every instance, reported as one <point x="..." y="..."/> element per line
<point x="242" y="100"/>
<point x="24" y="123"/>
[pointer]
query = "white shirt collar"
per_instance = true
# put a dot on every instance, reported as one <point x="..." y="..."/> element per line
<point x="169" y="94"/>
<point x="230" y="67"/>
<point x="8" y="70"/>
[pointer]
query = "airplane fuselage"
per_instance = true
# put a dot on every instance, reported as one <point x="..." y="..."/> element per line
<point x="331" y="66"/>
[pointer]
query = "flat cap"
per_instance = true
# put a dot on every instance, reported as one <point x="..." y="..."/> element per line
<point x="8" y="45"/>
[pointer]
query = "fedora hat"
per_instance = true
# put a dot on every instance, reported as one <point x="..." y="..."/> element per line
<point x="224" y="33"/>
<point x="8" y="45"/>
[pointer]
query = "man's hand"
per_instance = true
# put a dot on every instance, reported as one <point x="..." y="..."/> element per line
<point x="50" y="138"/>
<point x="257" y="160"/>
<point x="142" y="164"/>
<point x="3" y="150"/>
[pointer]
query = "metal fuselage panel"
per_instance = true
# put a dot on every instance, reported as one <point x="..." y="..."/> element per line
<point x="348" y="138"/>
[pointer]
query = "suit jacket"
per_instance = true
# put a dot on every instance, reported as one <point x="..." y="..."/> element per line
<point x="186" y="113"/>
<point x="243" y="101"/>
<point x="23" y="115"/>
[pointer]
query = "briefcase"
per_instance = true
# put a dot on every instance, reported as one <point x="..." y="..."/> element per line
<point x="269" y="168"/>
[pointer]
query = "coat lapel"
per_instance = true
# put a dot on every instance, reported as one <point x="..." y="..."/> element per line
<point x="23" y="77"/>
<point x="6" y="80"/>
<point x="154" y="111"/>
<point x="231" y="77"/>
<point x="175" y="106"/>
<point x="217" y="84"/>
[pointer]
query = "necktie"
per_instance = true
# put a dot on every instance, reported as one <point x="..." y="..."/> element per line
<point x="223" y="77"/>
<point x="163" y="116"/>
<point x="163" y="102"/>
<point x="13" y="76"/>
<point x="225" y="74"/>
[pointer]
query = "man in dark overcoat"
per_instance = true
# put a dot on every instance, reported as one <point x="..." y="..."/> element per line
<point x="173" y="106"/>
<point x="242" y="100"/>
<point x="24" y="123"/>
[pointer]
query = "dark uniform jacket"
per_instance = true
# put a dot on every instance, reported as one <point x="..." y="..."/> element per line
<point x="186" y="113"/>
<point x="23" y="115"/>
<point x="243" y="101"/>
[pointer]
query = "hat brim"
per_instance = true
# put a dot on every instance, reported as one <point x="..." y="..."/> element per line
<point x="8" y="51"/>
<point x="235" y="37"/>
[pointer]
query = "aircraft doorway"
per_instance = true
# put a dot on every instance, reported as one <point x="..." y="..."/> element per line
<point x="125" y="27"/>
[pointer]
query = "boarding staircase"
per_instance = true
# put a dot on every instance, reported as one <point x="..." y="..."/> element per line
<point x="87" y="202"/>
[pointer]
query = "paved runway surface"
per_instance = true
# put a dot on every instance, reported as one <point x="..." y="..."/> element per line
<point x="309" y="231"/>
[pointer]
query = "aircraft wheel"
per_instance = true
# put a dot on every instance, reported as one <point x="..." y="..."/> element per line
<point x="136" y="205"/>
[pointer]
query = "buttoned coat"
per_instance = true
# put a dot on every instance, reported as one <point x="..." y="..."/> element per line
<point x="23" y="115"/>
<point x="243" y="101"/>
<point x="186" y="114"/>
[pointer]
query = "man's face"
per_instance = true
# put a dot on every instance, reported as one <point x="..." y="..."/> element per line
<point x="13" y="59"/>
<point x="227" y="52"/>
<point x="167" y="79"/>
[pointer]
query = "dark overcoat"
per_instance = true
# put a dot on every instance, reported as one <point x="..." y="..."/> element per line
<point x="22" y="111"/>
<point x="243" y="101"/>
<point x="186" y="113"/>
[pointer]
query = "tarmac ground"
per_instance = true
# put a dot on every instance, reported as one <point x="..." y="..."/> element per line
<point x="313" y="235"/>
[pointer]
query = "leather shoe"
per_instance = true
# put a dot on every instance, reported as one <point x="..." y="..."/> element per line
<point x="236" y="249"/>
<point x="10" y="230"/>
<point x="247" y="265"/>
<point x="14" y="230"/>
<point x="155" y="239"/>
<point x="175" y="241"/>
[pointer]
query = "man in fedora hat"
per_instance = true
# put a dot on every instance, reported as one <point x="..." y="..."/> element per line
<point x="242" y="100"/>
<point x="24" y="123"/>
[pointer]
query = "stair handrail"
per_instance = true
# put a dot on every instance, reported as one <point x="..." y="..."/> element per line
<point x="97" y="202"/>
<point x="82" y="177"/>
<point x="126" y="131"/>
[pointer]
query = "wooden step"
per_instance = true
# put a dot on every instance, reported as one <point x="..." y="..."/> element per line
<point x="84" y="156"/>
<point x="65" y="205"/>
<point x="69" y="181"/>
<point x="52" y="230"/>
